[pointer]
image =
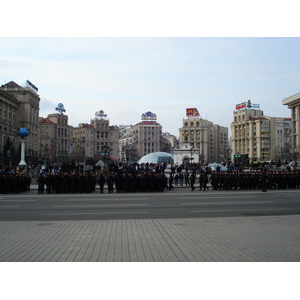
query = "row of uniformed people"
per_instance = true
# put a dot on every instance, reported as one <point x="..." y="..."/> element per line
<point x="255" y="180"/>
<point x="131" y="183"/>
<point x="79" y="183"/>
<point x="14" y="183"/>
<point x="66" y="183"/>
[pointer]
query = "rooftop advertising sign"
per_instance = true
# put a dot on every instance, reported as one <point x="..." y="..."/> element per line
<point x="192" y="113"/>
<point x="240" y="106"/>
<point x="149" y="116"/>
<point x="29" y="84"/>
<point x="247" y="104"/>
<point x="60" y="108"/>
<point x="100" y="114"/>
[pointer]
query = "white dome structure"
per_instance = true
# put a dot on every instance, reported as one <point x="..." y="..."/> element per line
<point x="157" y="158"/>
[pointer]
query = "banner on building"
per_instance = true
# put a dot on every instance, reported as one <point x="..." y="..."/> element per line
<point x="240" y="106"/>
<point x="192" y="113"/>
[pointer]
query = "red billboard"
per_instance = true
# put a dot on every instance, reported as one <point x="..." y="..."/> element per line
<point x="192" y="112"/>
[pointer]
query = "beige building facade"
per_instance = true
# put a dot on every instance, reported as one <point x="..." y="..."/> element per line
<point x="96" y="140"/>
<point x="211" y="139"/>
<point x="143" y="138"/>
<point x="282" y="139"/>
<point x="258" y="138"/>
<point x="55" y="137"/>
<point x="9" y="106"/>
<point x="148" y="136"/>
<point x="20" y="108"/>
<point x="293" y="103"/>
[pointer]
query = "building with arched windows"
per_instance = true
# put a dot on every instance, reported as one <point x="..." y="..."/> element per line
<point x="186" y="154"/>
<point x="211" y="140"/>
<point x="98" y="140"/>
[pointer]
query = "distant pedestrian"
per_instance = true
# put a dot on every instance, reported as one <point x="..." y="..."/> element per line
<point x="101" y="182"/>
<point x="264" y="181"/>
<point x="186" y="178"/>
<point x="171" y="187"/>
<point x="41" y="184"/>
<point x="176" y="177"/>
<point x="181" y="179"/>
<point x="192" y="180"/>
<point x="110" y="183"/>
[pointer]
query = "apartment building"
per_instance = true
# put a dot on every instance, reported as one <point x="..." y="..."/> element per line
<point x="256" y="137"/>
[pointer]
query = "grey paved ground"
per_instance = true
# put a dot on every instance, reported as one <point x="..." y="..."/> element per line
<point x="236" y="239"/>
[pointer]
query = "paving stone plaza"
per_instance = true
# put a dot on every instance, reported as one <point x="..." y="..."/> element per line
<point x="230" y="239"/>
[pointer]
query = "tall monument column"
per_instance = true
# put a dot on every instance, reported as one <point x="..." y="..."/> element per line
<point x="23" y="132"/>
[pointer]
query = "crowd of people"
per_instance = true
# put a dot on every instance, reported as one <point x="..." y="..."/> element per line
<point x="14" y="183"/>
<point x="259" y="180"/>
<point x="131" y="178"/>
<point x="115" y="182"/>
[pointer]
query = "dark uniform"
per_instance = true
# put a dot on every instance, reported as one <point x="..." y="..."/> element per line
<point x="192" y="180"/>
<point x="101" y="182"/>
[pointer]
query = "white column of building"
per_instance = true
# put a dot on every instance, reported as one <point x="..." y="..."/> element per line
<point x="251" y="142"/>
<point x="259" y="146"/>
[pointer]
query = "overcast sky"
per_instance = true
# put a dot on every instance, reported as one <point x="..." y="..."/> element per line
<point x="128" y="76"/>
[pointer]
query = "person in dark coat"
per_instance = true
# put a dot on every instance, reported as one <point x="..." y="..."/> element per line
<point x="181" y="177"/>
<point x="187" y="178"/>
<point x="192" y="181"/>
<point x="264" y="181"/>
<point x="201" y="181"/>
<point x="49" y="183"/>
<point x="64" y="183"/>
<point x="171" y="181"/>
<point x="110" y="183"/>
<point x="57" y="183"/>
<point x="205" y="182"/>
<point x="16" y="183"/>
<point x="74" y="183"/>
<point x="176" y="177"/>
<point x="41" y="183"/>
<point x="101" y="182"/>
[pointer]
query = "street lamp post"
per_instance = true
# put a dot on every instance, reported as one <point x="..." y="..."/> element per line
<point x="192" y="151"/>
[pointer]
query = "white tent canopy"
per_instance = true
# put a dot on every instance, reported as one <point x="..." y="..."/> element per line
<point x="100" y="163"/>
